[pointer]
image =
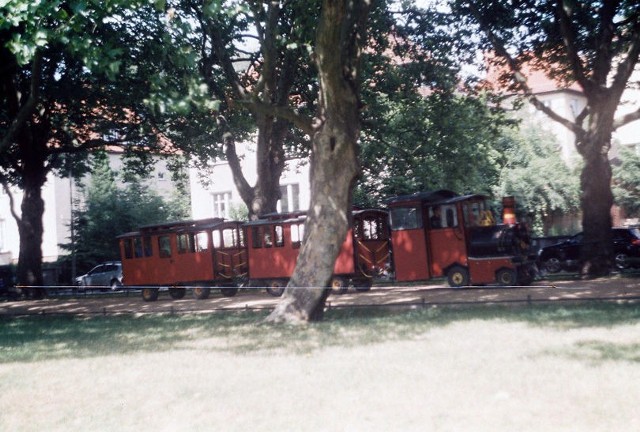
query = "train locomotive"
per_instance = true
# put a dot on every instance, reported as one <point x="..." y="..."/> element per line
<point x="442" y="234"/>
<point x="437" y="234"/>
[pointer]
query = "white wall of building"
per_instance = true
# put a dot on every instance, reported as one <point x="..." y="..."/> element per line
<point x="213" y="192"/>
<point x="57" y="195"/>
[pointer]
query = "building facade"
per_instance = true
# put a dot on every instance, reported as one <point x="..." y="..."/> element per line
<point x="214" y="194"/>
<point x="60" y="195"/>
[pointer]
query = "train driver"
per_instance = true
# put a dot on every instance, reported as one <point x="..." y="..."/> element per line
<point x="436" y="217"/>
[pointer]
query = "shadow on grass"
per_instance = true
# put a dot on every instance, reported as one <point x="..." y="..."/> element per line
<point x="38" y="338"/>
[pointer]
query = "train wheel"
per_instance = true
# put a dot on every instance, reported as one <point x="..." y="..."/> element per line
<point x="276" y="288"/>
<point x="339" y="285"/>
<point x="177" y="293"/>
<point x="150" y="294"/>
<point x="506" y="277"/>
<point x="458" y="276"/>
<point x="229" y="292"/>
<point x="201" y="293"/>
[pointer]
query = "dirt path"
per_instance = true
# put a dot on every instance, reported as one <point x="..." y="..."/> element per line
<point x="613" y="288"/>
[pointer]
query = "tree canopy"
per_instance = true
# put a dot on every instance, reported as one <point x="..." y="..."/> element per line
<point x="109" y="210"/>
<point x="594" y="44"/>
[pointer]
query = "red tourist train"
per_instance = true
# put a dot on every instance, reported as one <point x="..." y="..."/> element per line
<point x="197" y="254"/>
<point x="421" y="236"/>
<point x="274" y="243"/>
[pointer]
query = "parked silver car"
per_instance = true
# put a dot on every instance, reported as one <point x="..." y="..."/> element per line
<point x="105" y="275"/>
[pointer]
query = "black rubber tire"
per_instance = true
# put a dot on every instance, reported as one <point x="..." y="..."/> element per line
<point x="506" y="277"/>
<point x="458" y="276"/>
<point x="229" y="291"/>
<point x="177" y="293"/>
<point x="150" y="294"/>
<point x="201" y="293"/>
<point x="621" y="261"/>
<point x="552" y="265"/>
<point x="339" y="286"/>
<point x="276" y="288"/>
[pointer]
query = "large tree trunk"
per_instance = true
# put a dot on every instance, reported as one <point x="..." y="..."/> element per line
<point x="30" y="225"/>
<point x="263" y="197"/>
<point x="334" y="164"/>
<point x="597" y="198"/>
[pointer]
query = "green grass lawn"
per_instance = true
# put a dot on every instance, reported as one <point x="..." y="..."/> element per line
<point x="541" y="368"/>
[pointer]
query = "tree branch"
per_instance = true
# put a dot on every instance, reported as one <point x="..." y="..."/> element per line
<point x="518" y="76"/>
<point x="12" y="204"/>
<point x="300" y="121"/>
<point x="626" y="119"/>
<point x="627" y="66"/>
<point x="247" y="193"/>
<point x="568" y="37"/>
<point x="27" y="109"/>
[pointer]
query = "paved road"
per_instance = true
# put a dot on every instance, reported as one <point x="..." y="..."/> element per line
<point x="623" y="288"/>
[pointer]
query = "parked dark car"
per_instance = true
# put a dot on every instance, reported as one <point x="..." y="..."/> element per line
<point x="108" y="274"/>
<point x="566" y="255"/>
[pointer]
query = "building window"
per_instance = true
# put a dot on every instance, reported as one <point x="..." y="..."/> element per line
<point x="221" y="203"/>
<point x="289" y="198"/>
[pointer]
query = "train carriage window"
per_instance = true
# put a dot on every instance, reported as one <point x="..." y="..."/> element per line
<point x="217" y="239"/>
<point x="279" y="235"/>
<point x="297" y="235"/>
<point x="404" y="218"/>
<point x="450" y="216"/>
<point x="128" y="249"/>
<point x="146" y="244"/>
<point x="186" y="243"/>
<point x="241" y="238"/>
<point x="202" y="242"/>
<point x="372" y="228"/>
<point x="232" y="238"/>
<point x="256" y="237"/>
<point x="267" y="236"/>
<point x="137" y="247"/>
<point x="473" y="212"/>
<point x="436" y="218"/>
<point x="164" y="245"/>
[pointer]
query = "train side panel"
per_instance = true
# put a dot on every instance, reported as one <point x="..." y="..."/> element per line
<point x="345" y="261"/>
<point x="410" y="255"/>
<point x="272" y="254"/>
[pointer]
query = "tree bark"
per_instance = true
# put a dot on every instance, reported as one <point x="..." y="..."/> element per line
<point x="334" y="164"/>
<point x="30" y="224"/>
<point x="596" y="199"/>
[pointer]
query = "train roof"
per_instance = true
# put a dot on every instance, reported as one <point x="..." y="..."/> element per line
<point x="300" y="216"/>
<point x="438" y="197"/>
<point x="179" y="226"/>
<point x="424" y="197"/>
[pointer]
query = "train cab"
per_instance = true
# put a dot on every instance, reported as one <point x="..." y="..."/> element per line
<point x="273" y="245"/>
<point x="443" y="234"/>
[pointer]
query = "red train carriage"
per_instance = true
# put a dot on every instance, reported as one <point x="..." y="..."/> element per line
<point x="440" y="233"/>
<point x="274" y="244"/>
<point x="187" y="253"/>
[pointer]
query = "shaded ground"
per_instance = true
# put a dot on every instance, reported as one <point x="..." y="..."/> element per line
<point x="617" y="287"/>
